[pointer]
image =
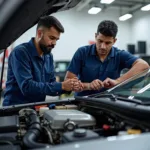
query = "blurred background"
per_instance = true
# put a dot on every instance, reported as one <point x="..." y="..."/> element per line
<point x="80" y="23"/>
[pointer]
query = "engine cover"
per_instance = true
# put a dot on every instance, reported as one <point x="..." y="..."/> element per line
<point x="59" y="118"/>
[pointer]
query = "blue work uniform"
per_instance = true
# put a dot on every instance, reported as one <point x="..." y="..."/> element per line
<point x="30" y="77"/>
<point x="88" y="67"/>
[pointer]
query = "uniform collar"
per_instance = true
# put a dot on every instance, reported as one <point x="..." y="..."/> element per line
<point x="34" y="50"/>
<point x="93" y="51"/>
<point x="112" y="52"/>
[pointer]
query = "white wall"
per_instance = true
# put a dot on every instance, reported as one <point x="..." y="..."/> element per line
<point x="141" y="28"/>
<point x="80" y="27"/>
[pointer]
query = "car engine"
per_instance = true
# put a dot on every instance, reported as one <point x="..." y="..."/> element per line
<point x="45" y="126"/>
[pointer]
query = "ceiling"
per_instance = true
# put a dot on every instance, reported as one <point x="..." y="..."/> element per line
<point x="124" y="5"/>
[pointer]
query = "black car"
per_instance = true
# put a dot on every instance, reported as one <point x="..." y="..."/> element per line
<point x="61" y="69"/>
<point x="116" y="119"/>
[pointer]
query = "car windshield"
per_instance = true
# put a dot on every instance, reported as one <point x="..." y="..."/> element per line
<point x="137" y="87"/>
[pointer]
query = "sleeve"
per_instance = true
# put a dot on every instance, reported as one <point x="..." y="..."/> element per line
<point x="53" y="80"/>
<point x="127" y="59"/>
<point x="21" y="67"/>
<point x="76" y="63"/>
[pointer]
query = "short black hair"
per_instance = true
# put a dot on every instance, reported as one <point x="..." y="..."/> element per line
<point x="108" y="28"/>
<point x="50" y="21"/>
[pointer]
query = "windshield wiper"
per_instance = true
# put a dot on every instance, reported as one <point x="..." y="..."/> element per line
<point x="134" y="100"/>
<point x="118" y="97"/>
<point x="107" y="95"/>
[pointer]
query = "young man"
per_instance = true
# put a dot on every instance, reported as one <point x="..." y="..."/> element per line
<point x="98" y="66"/>
<point x="30" y="67"/>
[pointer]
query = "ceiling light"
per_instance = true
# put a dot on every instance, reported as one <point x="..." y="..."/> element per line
<point x="94" y="10"/>
<point x="146" y="8"/>
<point x="106" y="1"/>
<point x="125" y="17"/>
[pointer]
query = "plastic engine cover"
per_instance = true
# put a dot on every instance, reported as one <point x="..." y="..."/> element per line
<point x="58" y="118"/>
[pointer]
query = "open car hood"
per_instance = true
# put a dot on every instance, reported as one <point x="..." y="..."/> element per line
<point x="17" y="16"/>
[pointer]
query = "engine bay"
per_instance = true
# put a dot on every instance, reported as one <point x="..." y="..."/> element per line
<point x="50" y="124"/>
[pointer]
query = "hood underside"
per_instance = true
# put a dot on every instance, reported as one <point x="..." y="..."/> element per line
<point x="17" y="16"/>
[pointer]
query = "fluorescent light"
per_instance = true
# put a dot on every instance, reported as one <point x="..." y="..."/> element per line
<point x="94" y="10"/>
<point x="106" y="1"/>
<point x="125" y="17"/>
<point x="146" y="8"/>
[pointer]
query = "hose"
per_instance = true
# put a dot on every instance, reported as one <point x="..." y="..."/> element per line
<point x="34" y="130"/>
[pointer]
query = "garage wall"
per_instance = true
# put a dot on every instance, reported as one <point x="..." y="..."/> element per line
<point x="80" y="27"/>
<point x="141" y="28"/>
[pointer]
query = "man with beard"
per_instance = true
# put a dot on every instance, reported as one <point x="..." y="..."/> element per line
<point x="98" y="66"/>
<point x="30" y="74"/>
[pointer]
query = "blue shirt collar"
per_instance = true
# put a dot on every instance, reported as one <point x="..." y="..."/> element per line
<point x="93" y="51"/>
<point x="112" y="53"/>
<point x="34" y="50"/>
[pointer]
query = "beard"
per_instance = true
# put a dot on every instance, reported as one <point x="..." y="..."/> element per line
<point x="46" y="49"/>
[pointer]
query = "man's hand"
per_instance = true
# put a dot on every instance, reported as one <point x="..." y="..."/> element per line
<point x="96" y="85"/>
<point x="78" y="86"/>
<point x="72" y="85"/>
<point x="68" y="84"/>
<point x="109" y="83"/>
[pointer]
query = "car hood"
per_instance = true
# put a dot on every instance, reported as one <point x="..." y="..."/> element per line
<point x="17" y="16"/>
